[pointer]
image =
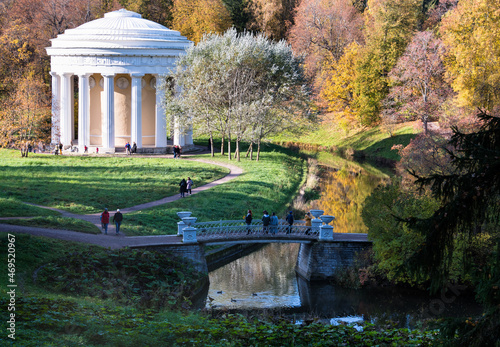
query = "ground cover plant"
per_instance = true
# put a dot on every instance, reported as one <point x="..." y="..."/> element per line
<point x="127" y="276"/>
<point x="88" y="184"/>
<point x="70" y="322"/>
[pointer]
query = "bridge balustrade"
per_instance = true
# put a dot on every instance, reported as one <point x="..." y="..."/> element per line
<point x="237" y="229"/>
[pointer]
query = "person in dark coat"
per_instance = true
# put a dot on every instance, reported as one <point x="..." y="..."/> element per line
<point x="134" y="148"/>
<point x="105" y="220"/>
<point x="117" y="219"/>
<point x="183" y="187"/>
<point x="266" y="220"/>
<point x="248" y="220"/>
<point x="289" y="219"/>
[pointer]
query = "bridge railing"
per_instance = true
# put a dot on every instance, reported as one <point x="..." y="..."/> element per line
<point x="237" y="228"/>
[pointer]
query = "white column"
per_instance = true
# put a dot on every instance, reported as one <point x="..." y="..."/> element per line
<point x="66" y="109"/>
<point x="183" y="135"/>
<point x="160" y="117"/>
<point x="56" y="109"/>
<point x="83" y="112"/>
<point x="136" y="111"/>
<point x="108" y="118"/>
<point x="178" y="133"/>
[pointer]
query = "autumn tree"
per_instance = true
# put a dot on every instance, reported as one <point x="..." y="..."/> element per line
<point x="417" y="82"/>
<point x="25" y="117"/>
<point x="322" y="30"/>
<point x="272" y="17"/>
<point x="251" y="86"/>
<point x="389" y="26"/>
<point x="159" y="11"/>
<point x="194" y="18"/>
<point x="338" y="87"/>
<point x="472" y="37"/>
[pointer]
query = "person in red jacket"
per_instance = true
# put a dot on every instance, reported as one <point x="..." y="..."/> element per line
<point x="105" y="220"/>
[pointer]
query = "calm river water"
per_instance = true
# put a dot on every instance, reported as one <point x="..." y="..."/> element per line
<point x="266" y="279"/>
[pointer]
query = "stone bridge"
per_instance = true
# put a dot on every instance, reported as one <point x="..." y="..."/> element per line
<point x="322" y="252"/>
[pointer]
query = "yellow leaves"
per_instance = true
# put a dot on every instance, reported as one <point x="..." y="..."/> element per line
<point x="338" y="86"/>
<point x="472" y="35"/>
<point x="194" y="18"/>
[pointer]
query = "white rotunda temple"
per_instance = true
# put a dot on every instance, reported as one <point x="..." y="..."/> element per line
<point x="120" y="61"/>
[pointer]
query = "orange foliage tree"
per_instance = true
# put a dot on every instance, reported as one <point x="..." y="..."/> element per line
<point x="25" y="115"/>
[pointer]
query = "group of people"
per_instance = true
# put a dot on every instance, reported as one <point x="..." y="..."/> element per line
<point x="185" y="186"/>
<point x="270" y="222"/>
<point x="130" y="148"/>
<point x="117" y="219"/>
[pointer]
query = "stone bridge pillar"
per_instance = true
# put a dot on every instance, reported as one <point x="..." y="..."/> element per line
<point x="323" y="260"/>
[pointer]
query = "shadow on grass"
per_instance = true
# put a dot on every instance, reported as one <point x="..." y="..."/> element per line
<point x="383" y="148"/>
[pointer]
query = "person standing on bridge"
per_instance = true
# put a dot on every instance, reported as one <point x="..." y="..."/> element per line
<point x="105" y="220"/>
<point x="266" y="220"/>
<point x="289" y="219"/>
<point x="274" y="223"/>
<point x="117" y="219"/>
<point x="248" y="220"/>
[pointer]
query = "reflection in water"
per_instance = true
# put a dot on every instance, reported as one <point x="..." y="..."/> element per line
<point x="343" y="193"/>
<point x="269" y="273"/>
<point x="265" y="278"/>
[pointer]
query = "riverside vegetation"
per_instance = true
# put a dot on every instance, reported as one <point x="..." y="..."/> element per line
<point x="72" y="294"/>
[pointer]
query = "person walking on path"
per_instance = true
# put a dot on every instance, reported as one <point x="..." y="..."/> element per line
<point x="117" y="219"/>
<point x="274" y="223"/>
<point x="189" y="185"/>
<point x="182" y="187"/>
<point x="105" y="220"/>
<point x="308" y="219"/>
<point x="248" y="220"/>
<point x="134" y="148"/>
<point x="60" y="148"/>
<point x="289" y="219"/>
<point x="266" y="220"/>
<point x="128" y="148"/>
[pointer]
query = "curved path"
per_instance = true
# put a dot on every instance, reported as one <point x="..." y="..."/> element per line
<point x="118" y="241"/>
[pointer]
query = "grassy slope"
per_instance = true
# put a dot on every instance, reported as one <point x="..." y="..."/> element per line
<point x="374" y="142"/>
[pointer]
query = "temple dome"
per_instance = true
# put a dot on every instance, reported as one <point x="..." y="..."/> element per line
<point x="120" y="29"/>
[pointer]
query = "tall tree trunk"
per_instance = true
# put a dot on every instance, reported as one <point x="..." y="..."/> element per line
<point x="229" y="147"/>
<point x="222" y="146"/>
<point x="237" y="153"/>
<point x="251" y="151"/>
<point x="211" y="145"/>
<point x="258" y="150"/>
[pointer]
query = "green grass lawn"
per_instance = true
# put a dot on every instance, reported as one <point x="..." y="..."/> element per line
<point x="84" y="184"/>
<point x="92" y="183"/>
